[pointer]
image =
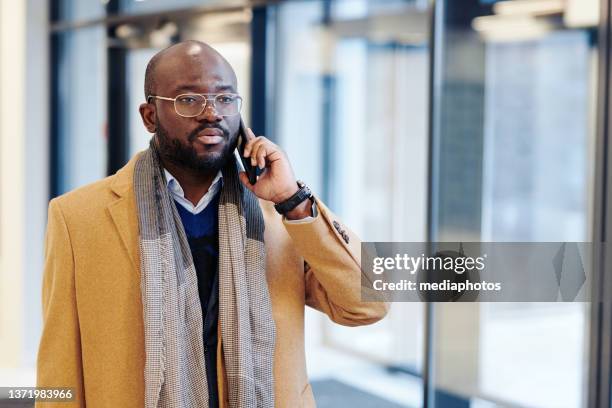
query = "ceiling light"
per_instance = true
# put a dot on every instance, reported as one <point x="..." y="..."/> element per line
<point x="529" y="7"/>
<point x="494" y="28"/>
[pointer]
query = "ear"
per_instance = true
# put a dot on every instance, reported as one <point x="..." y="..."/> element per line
<point x="148" y="114"/>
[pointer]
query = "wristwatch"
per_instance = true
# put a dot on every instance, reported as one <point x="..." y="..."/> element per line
<point x="289" y="204"/>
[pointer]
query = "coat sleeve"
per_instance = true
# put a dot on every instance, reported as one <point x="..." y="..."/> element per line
<point x="332" y="267"/>
<point x="59" y="361"/>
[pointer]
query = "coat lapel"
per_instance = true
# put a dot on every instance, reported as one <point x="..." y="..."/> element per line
<point x="123" y="211"/>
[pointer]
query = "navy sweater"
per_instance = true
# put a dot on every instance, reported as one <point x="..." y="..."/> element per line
<point x="203" y="236"/>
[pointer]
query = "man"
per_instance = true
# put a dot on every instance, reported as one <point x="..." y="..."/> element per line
<point x="177" y="283"/>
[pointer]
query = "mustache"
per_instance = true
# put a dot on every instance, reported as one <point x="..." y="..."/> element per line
<point x="194" y="134"/>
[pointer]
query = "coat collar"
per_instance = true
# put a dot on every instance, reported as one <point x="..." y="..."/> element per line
<point x="122" y="183"/>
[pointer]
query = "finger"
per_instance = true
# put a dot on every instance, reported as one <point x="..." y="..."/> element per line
<point x="250" y="134"/>
<point x="245" y="180"/>
<point x="250" y="139"/>
<point x="261" y="156"/>
<point x="255" y="148"/>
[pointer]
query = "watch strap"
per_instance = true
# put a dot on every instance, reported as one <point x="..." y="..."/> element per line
<point x="296" y="199"/>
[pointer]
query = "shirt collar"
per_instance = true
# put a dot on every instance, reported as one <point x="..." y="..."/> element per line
<point x="177" y="191"/>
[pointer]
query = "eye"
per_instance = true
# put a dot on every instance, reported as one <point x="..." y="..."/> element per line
<point x="226" y="99"/>
<point x="187" y="99"/>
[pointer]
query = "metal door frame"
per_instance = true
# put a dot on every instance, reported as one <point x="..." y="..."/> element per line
<point x="599" y="384"/>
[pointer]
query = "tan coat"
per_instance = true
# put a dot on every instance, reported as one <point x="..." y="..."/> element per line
<point x="93" y="335"/>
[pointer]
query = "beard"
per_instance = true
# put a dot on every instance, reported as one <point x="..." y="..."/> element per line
<point x="185" y="155"/>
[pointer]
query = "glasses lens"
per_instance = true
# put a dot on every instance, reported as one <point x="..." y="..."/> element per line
<point x="189" y="104"/>
<point x="228" y="104"/>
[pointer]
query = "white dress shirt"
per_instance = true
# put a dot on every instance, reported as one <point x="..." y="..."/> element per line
<point x="179" y="195"/>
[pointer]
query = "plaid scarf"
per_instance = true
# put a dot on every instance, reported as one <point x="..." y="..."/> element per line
<point x="175" y="374"/>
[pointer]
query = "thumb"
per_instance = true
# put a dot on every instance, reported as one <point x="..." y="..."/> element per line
<point x="245" y="180"/>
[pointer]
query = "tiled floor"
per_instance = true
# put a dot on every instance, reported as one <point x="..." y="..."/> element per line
<point x="15" y="404"/>
<point x="336" y="367"/>
<point x="336" y="394"/>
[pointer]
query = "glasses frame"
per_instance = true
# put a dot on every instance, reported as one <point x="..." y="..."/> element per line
<point x="207" y="97"/>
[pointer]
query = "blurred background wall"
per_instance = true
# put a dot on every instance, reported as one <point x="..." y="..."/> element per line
<point x="24" y="181"/>
<point x="413" y="119"/>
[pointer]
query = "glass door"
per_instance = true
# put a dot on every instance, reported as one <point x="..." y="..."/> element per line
<point x="513" y="136"/>
<point x="352" y="114"/>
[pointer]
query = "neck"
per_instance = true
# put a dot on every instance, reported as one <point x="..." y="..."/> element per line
<point x="194" y="183"/>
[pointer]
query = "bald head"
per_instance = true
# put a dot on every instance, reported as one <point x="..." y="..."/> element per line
<point x="201" y="143"/>
<point x="195" y="55"/>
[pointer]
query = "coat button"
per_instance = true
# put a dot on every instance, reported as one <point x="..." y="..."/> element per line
<point x="342" y="232"/>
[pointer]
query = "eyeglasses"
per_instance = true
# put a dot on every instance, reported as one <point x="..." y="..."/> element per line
<point x="190" y="105"/>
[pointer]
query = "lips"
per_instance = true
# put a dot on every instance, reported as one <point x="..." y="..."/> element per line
<point x="210" y="136"/>
<point x="211" y="132"/>
<point x="210" y="140"/>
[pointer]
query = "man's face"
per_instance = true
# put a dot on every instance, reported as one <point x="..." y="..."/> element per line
<point x="205" y="142"/>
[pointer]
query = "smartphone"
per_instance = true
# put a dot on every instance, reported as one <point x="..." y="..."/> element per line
<point x="252" y="171"/>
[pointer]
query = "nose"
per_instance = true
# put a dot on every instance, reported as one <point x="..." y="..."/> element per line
<point x="209" y="114"/>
